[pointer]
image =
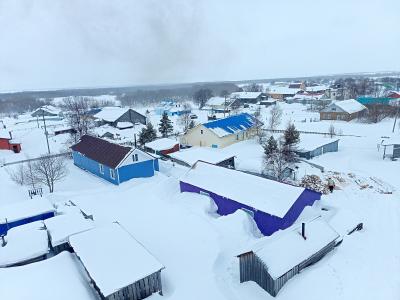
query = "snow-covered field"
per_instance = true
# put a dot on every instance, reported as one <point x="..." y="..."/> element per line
<point x="199" y="248"/>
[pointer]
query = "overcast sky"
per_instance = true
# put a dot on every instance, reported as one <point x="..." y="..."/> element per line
<point x="85" y="43"/>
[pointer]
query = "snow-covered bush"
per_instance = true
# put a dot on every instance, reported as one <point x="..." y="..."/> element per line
<point x="314" y="182"/>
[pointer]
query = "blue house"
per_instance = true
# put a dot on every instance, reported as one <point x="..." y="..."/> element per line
<point x="21" y="213"/>
<point x="273" y="205"/>
<point x="112" y="162"/>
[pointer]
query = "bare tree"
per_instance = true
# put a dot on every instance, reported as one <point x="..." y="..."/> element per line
<point x="185" y="120"/>
<point x="260" y="133"/>
<point x="49" y="169"/>
<point x="275" y="159"/>
<point x="332" y="131"/>
<point x="78" y="119"/>
<point x="17" y="175"/>
<point x="275" y="117"/>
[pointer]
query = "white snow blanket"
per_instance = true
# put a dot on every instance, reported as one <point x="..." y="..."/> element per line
<point x="113" y="258"/>
<point x="59" y="277"/>
<point x="192" y="155"/>
<point x="350" y="106"/>
<point x="286" y="249"/>
<point x="110" y="114"/>
<point x="61" y="227"/>
<point x="24" y="243"/>
<point x="25" y="209"/>
<point x="266" y="195"/>
<point x="162" y="144"/>
<point x="309" y="142"/>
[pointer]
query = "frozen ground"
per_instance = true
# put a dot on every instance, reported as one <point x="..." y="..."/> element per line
<point x="198" y="248"/>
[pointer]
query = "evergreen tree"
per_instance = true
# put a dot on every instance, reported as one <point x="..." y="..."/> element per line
<point x="291" y="138"/>
<point x="270" y="147"/>
<point x="165" y="127"/>
<point x="147" y="134"/>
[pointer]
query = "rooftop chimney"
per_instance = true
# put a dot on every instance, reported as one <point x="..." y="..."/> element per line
<point x="10" y="134"/>
<point x="303" y="230"/>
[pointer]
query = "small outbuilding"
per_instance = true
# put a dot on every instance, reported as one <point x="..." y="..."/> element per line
<point x="61" y="227"/>
<point x="115" y="115"/>
<point x="24" y="212"/>
<point x="112" y="162"/>
<point x="314" y="145"/>
<point x="47" y="111"/>
<point x="24" y="245"/>
<point x="162" y="146"/>
<point x="391" y="147"/>
<point x="8" y="143"/>
<point x="272" y="261"/>
<point x="273" y="205"/>
<point x="119" y="267"/>
<point x="188" y="157"/>
<point x="345" y="110"/>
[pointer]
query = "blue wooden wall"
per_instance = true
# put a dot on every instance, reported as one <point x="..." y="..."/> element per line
<point x="137" y="170"/>
<point x="331" y="147"/>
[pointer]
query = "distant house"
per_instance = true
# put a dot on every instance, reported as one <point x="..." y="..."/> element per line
<point x="394" y="95"/>
<point x="272" y="261"/>
<point x="25" y="244"/>
<point x="7" y="142"/>
<point x="162" y="146"/>
<point x="337" y="93"/>
<point x="188" y="157"/>
<point x="283" y="92"/>
<point x="268" y="102"/>
<point x="249" y="97"/>
<point x="311" y="146"/>
<point x="222" y="132"/>
<point x="221" y="104"/>
<point x="391" y="147"/>
<point x="21" y="213"/>
<point x="171" y="108"/>
<point x="345" y="110"/>
<point x="47" y="111"/>
<point x="115" y="116"/>
<point x="316" y="89"/>
<point x="112" y="162"/>
<point x="119" y="267"/>
<point x="297" y="85"/>
<point x="272" y="205"/>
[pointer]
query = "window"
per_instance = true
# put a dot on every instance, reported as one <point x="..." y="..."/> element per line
<point x="201" y="131"/>
<point x="135" y="157"/>
<point x="101" y="168"/>
<point x="112" y="173"/>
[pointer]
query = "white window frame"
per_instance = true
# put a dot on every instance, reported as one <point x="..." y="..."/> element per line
<point x="101" y="168"/>
<point x="112" y="173"/>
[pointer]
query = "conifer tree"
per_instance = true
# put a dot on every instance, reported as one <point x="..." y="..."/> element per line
<point x="165" y="127"/>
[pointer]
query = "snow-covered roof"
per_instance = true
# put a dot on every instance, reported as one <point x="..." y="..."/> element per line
<point x="394" y="140"/>
<point x="59" y="277"/>
<point x="25" y="209"/>
<point x="283" y="90"/>
<point x="309" y="142"/>
<point x="162" y="144"/>
<point x="5" y="134"/>
<point x="24" y="243"/>
<point x="49" y="108"/>
<point x="269" y="196"/>
<point x="122" y="125"/>
<point x="307" y="96"/>
<point x="110" y="114"/>
<point x="316" y="88"/>
<point x="61" y="227"/>
<point x="287" y="249"/>
<point x="217" y="101"/>
<point x="192" y="155"/>
<point x="231" y="124"/>
<point x="246" y="95"/>
<point x="113" y="258"/>
<point x="350" y="106"/>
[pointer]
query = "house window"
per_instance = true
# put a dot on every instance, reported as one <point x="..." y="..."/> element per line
<point x="237" y="137"/>
<point x="112" y="173"/>
<point x="101" y="168"/>
<point x="135" y="157"/>
<point x="201" y="131"/>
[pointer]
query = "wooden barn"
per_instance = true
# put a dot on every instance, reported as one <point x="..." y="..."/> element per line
<point x="112" y="162"/>
<point x="117" y="116"/>
<point x="162" y="146"/>
<point x="21" y="213"/>
<point x="119" y="267"/>
<point x="272" y="261"/>
<point x="188" y="157"/>
<point x="24" y="245"/>
<point x="47" y="111"/>
<point x="61" y="227"/>
<point x="314" y="145"/>
<point x="7" y="142"/>
<point x="345" y="110"/>
<point x="273" y="205"/>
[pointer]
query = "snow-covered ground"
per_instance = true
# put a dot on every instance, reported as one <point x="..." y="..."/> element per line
<point x="199" y="248"/>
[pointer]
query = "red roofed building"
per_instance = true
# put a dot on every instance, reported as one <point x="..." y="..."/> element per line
<point x="7" y="143"/>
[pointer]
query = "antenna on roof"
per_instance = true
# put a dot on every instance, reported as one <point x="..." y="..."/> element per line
<point x="303" y="230"/>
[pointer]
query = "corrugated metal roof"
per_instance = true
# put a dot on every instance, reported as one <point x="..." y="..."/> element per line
<point x="232" y="124"/>
<point x="102" y="151"/>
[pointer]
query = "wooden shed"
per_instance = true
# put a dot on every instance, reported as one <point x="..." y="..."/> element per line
<point x="345" y="110"/>
<point x="315" y="145"/>
<point x="189" y="157"/>
<point x="272" y="261"/>
<point x="119" y="267"/>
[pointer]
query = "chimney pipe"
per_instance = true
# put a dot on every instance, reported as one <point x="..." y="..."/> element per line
<point x="10" y="134"/>
<point x="303" y="230"/>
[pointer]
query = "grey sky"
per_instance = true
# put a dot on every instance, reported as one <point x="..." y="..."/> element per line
<point x="82" y="43"/>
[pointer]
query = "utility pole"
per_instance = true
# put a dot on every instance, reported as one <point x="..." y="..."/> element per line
<point x="46" y="133"/>
<point x="395" y="118"/>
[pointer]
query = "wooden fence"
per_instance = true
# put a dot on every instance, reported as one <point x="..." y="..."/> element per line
<point x="34" y="159"/>
<point x="310" y="132"/>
